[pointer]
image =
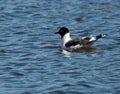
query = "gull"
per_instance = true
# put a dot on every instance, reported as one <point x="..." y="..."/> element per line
<point x="70" y="44"/>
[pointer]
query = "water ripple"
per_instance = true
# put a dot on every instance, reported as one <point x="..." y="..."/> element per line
<point x="32" y="61"/>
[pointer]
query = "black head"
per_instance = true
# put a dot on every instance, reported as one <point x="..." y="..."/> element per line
<point x="62" y="31"/>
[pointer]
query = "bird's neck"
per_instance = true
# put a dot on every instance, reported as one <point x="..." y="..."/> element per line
<point x="65" y="39"/>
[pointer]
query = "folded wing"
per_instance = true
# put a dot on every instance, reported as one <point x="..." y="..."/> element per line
<point x="82" y="42"/>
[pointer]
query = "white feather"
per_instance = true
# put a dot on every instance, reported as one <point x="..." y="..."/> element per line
<point x="65" y="39"/>
<point x="93" y="39"/>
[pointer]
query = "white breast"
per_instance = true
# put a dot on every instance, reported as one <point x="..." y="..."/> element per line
<point x="65" y="39"/>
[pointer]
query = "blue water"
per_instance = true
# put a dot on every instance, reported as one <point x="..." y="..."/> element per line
<point x="31" y="59"/>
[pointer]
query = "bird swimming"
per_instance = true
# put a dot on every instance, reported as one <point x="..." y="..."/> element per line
<point x="70" y="44"/>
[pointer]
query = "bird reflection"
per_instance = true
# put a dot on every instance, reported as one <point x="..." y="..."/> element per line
<point x="87" y="49"/>
<point x="67" y="53"/>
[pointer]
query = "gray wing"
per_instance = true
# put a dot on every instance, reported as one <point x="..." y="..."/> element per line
<point x="82" y="41"/>
<point x="73" y="42"/>
<point x="85" y="40"/>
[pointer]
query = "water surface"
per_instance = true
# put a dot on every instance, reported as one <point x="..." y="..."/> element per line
<point x="31" y="60"/>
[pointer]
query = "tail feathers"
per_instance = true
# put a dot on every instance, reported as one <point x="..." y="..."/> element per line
<point x="100" y="36"/>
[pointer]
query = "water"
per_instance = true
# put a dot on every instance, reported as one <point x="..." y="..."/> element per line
<point x="31" y="60"/>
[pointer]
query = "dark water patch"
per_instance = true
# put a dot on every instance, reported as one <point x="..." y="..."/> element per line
<point x="86" y="85"/>
<point x="57" y="92"/>
<point x="67" y="85"/>
<point x="2" y="51"/>
<point x="78" y="19"/>
<point x="70" y="72"/>
<point x="65" y="92"/>
<point x="7" y="68"/>
<point x="19" y="33"/>
<point x="51" y="47"/>
<point x="20" y="64"/>
<point x="27" y="92"/>
<point x="17" y="74"/>
<point x="37" y="15"/>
